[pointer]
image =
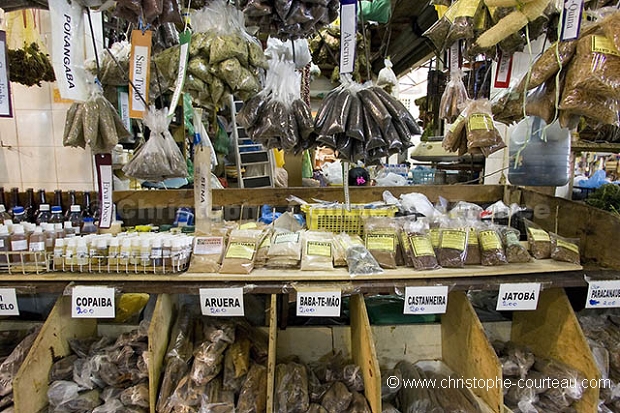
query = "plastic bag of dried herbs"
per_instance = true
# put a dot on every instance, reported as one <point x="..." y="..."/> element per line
<point x="359" y="260"/>
<point x="381" y="239"/>
<point x="515" y="251"/>
<point x="491" y="248"/>
<point x="565" y="249"/>
<point x="481" y="131"/>
<point x="316" y="251"/>
<point x="240" y="252"/>
<point x="538" y="240"/>
<point x="452" y="250"/>
<point x="159" y="158"/>
<point x="453" y="98"/>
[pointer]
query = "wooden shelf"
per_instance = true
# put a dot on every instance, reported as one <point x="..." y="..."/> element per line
<point x="587" y="146"/>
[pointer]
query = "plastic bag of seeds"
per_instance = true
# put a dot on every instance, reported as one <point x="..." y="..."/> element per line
<point x="380" y="237"/>
<point x="481" y="132"/>
<point x="515" y="251"/>
<point x="285" y="249"/>
<point x="452" y="251"/>
<point x="491" y="248"/>
<point x="565" y="249"/>
<point x="420" y="251"/>
<point x="538" y="240"/>
<point x="240" y="251"/>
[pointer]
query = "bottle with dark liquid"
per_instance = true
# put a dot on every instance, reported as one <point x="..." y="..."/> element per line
<point x="58" y="199"/>
<point x="87" y="207"/>
<point x="14" y="199"/>
<point x="30" y="207"/>
<point x="72" y="201"/>
<point x="2" y="197"/>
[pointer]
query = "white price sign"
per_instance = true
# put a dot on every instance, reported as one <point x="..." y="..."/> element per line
<point x="571" y="23"/>
<point x="92" y="302"/>
<point x="518" y="296"/>
<point x="318" y="303"/>
<point x="222" y="302"/>
<point x="348" y="35"/>
<point x="426" y="300"/>
<point x="603" y="294"/>
<point x="8" y="302"/>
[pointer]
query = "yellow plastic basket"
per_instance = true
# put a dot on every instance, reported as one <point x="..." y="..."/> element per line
<point x="338" y="219"/>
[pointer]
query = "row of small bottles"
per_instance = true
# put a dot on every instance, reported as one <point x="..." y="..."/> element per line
<point x="127" y="251"/>
<point x="42" y="211"/>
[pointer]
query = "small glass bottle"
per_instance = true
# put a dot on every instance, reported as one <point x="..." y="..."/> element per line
<point x="30" y="208"/>
<point x="157" y="252"/>
<point x="70" y="244"/>
<point x="167" y="253"/>
<point x="102" y="251"/>
<point x="44" y="215"/>
<point x="4" y="216"/>
<point x="87" y="207"/>
<point x="134" y="258"/>
<point x="69" y="230"/>
<point x="59" y="231"/>
<point x="125" y="252"/>
<point x="81" y="252"/>
<point x="56" y="217"/>
<point x="113" y="252"/>
<point x="50" y="236"/>
<point x="92" y="251"/>
<point x="75" y="217"/>
<point x="58" y="202"/>
<point x="72" y="202"/>
<point x="19" y="243"/>
<point x="89" y="226"/>
<point x="59" y="254"/>
<point x="14" y="199"/>
<point x="176" y="253"/>
<point x="19" y="215"/>
<point x="36" y="246"/>
<point x="145" y="252"/>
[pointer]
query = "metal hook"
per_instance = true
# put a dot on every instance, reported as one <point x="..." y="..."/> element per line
<point x="4" y="145"/>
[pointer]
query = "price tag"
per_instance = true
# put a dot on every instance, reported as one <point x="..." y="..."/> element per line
<point x="222" y="302"/>
<point x="504" y="71"/>
<point x="348" y="35"/>
<point x="603" y="294"/>
<point x="318" y="303"/>
<point x="8" y="302"/>
<point x="5" y="84"/>
<point x="103" y="163"/>
<point x="92" y="302"/>
<point x="426" y="300"/>
<point x="184" y="38"/>
<point x="139" y="72"/>
<point x="518" y="296"/>
<point x="571" y="22"/>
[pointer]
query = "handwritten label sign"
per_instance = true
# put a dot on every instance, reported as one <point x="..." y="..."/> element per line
<point x="5" y="85"/>
<point x="222" y="302"/>
<point x="103" y="163"/>
<point x="139" y="72"/>
<point x="318" y="303"/>
<point x="426" y="300"/>
<point x="504" y="71"/>
<point x="123" y="106"/>
<point x="603" y="294"/>
<point x="92" y="302"/>
<point x="455" y="56"/>
<point x="518" y="296"/>
<point x="8" y="302"/>
<point x="571" y="23"/>
<point x="185" y="39"/>
<point x="348" y="35"/>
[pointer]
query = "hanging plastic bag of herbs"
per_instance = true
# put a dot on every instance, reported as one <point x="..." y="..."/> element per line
<point x="159" y="158"/>
<point x="453" y="98"/>
<point x="30" y="66"/>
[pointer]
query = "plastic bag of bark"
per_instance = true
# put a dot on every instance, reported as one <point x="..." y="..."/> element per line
<point x="557" y="370"/>
<point x="538" y="240"/>
<point x="547" y="64"/>
<point x="239" y="256"/>
<point x="565" y="249"/>
<point x="521" y="398"/>
<point x="438" y="33"/>
<point x="10" y="366"/>
<point x="63" y="368"/>
<point x="516" y="360"/>
<point x="456" y="133"/>
<point x="515" y="251"/>
<point x="359" y="404"/>
<point x="338" y="398"/>
<point x="358" y="259"/>
<point x="481" y="132"/>
<point x="285" y="250"/>
<point x="137" y="395"/>
<point x="491" y="247"/>
<point x="453" y="98"/>
<point x="461" y="15"/>
<point x="414" y="399"/>
<point x="291" y="388"/>
<point x="61" y="392"/>
<point x="260" y="259"/>
<point x="380" y="237"/>
<point x="316" y="252"/>
<point x="340" y="250"/>
<point x="208" y="358"/>
<point x="253" y="394"/>
<point x="421" y="251"/>
<point x="611" y="27"/>
<point x="457" y="400"/>
<point x="352" y="377"/>
<point x="541" y="102"/>
<point x="388" y="408"/>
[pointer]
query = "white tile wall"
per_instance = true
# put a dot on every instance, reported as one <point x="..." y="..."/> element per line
<point x="37" y="158"/>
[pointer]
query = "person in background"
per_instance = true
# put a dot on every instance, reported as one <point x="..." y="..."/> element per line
<point x="359" y="177"/>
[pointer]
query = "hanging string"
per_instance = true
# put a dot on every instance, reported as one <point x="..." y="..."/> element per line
<point x="366" y="53"/>
<point x="92" y="34"/>
<point x="126" y="77"/>
<point x="186" y="18"/>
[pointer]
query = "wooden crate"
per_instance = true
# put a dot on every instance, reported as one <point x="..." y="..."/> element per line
<point x="459" y="341"/>
<point x="355" y="342"/>
<point x="31" y="382"/>
<point x="552" y="331"/>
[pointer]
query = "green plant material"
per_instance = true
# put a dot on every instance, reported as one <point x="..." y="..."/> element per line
<point x="606" y="197"/>
<point x="30" y="66"/>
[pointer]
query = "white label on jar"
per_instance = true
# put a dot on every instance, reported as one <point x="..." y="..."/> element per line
<point x="21" y="245"/>
<point x="37" y="246"/>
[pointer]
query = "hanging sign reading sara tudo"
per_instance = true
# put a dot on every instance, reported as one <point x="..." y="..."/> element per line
<point x="139" y="72"/>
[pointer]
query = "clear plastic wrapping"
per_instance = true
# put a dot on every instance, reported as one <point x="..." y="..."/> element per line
<point x="565" y="249"/>
<point x="253" y="394"/>
<point x="453" y="98"/>
<point x="10" y="366"/>
<point x="515" y="251"/>
<point x="381" y="239"/>
<point x="291" y="388"/>
<point x="316" y="253"/>
<point x="137" y="395"/>
<point x="421" y="251"/>
<point x="481" y="131"/>
<point x="452" y="250"/>
<point x="547" y="64"/>
<point x="538" y="240"/>
<point x="358" y="259"/>
<point x="338" y="398"/>
<point x="491" y="248"/>
<point x="414" y="399"/>
<point x="285" y="249"/>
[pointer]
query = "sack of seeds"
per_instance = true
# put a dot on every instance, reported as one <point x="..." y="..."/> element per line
<point x="452" y="251"/>
<point x="420" y="251"/>
<point x="380" y="237"/>
<point x="565" y="249"/>
<point x="285" y="250"/>
<point x="515" y="251"/>
<point x="491" y="247"/>
<point x="242" y="246"/>
<point x="316" y="251"/>
<point x="538" y="240"/>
